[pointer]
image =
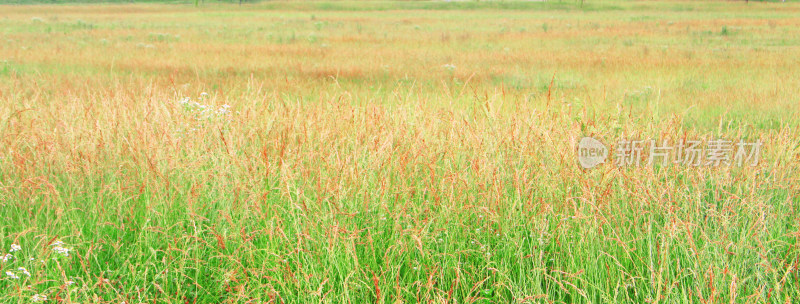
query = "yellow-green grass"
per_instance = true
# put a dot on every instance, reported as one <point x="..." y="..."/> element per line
<point x="394" y="152"/>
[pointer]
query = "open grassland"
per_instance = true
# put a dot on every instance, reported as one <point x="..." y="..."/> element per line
<point x="394" y="153"/>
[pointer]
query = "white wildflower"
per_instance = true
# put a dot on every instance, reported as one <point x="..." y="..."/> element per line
<point x="7" y="257"/>
<point x="39" y="298"/>
<point x="12" y="275"/>
<point x="202" y="111"/>
<point x="223" y="110"/>
<point x="24" y="271"/>
<point x="60" y="249"/>
<point x="15" y="247"/>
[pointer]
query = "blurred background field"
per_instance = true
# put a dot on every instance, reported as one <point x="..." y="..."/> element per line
<point x="393" y="152"/>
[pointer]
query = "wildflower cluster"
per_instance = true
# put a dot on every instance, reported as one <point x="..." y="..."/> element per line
<point x="12" y="275"/>
<point x="38" y="298"/>
<point x="24" y="271"/>
<point x="202" y="111"/>
<point x="58" y="248"/>
<point x="9" y="257"/>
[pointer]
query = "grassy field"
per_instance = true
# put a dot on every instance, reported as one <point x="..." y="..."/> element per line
<point x="394" y="152"/>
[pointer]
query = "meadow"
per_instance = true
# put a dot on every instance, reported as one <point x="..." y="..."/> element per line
<point x="394" y="152"/>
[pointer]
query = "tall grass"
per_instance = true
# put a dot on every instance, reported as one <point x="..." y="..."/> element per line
<point x="391" y="157"/>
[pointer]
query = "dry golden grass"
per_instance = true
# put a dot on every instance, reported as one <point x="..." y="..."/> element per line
<point x="408" y="155"/>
